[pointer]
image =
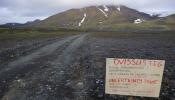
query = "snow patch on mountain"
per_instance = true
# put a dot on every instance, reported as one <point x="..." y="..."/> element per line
<point x="105" y="14"/>
<point x="138" y="21"/>
<point x="105" y="8"/>
<point x="118" y="8"/>
<point x="100" y="22"/>
<point x="82" y="21"/>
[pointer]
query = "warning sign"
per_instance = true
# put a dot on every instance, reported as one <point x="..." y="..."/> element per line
<point x="136" y="77"/>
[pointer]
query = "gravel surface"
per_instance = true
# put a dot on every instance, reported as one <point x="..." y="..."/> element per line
<point x="73" y="67"/>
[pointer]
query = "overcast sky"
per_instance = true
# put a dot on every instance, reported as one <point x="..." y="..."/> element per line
<point x="28" y="10"/>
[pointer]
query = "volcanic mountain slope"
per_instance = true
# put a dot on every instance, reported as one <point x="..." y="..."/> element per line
<point x="105" y="17"/>
<point x="11" y="25"/>
<point x="166" y="23"/>
<point x="170" y="20"/>
<point x="17" y="25"/>
<point x="95" y="17"/>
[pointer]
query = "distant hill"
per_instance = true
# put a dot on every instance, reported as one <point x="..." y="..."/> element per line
<point x="11" y="25"/>
<point x="105" y="17"/>
<point x="17" y="25"/>
<point x="167" y="20"/>
<point x="32" y="23"/>
<point x="94" y="17"/>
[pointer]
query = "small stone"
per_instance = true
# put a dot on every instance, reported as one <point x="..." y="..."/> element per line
<point x="62" y="71"/>
<point x="166" y="70"/>
<point x="163" y="93"/>
<point x="12" y="56"/>
<point x="100" y="95"/>
<point x="67" y="80"/>
<point x="49" y="88"/>
<point x="4" y="81"/>
<point x="80" y="84"/>
<point x="97" y="81"/>
<point x="18" y="80"/>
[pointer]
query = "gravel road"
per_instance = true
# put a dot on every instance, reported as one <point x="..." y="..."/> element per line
<point x="47" y="73"/>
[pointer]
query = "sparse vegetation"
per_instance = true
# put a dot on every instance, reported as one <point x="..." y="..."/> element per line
<point x="27" y="33"/>
<point x="132" y="33"/>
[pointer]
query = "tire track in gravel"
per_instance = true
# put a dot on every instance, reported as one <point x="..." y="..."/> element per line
<point x="24" y="48"/>
<point x="25" y="64"/>
<point x="62" y="80"/>
<point x="68" y="71"/>
<point x="39" y="53"/>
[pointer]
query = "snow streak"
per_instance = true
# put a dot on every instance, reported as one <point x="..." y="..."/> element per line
<point x="138" y="21"/>
<point x="81" y="22"/>
<point x="105" y="8"/>
<point x="103" y="12"/>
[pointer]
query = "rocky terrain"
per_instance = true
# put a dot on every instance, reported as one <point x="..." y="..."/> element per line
<point x="73" y="67"/>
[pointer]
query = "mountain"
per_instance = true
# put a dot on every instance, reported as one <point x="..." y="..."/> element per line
<point x="104" y="17"/>
<point x="95" y="17"/>
<point x="166" y="23"/>
<point x="11" y="25"/>
<point x="16" y="25"/>
<point x="167" y="20"/>
<point x="32" y="23"/>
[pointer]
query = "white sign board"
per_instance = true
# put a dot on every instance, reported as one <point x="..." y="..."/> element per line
<point x="134" y="77"/>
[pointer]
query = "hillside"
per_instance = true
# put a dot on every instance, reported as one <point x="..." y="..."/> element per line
<point x="167" y="23"/>
<point x="170" y="20"/>
<point x="105" y="17"/>
<point x="94" y="17"/>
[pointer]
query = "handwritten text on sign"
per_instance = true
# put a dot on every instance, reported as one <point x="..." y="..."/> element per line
<point x="136" y="77"/>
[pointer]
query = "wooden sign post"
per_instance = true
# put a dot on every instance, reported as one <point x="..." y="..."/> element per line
<point x="134" y="77"/>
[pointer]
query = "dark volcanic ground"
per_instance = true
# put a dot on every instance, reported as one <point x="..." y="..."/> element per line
<point x="73" y="68"/>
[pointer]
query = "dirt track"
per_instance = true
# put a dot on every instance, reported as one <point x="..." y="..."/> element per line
<point x="73" y="68"/>
<point x="50" y="72"/>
